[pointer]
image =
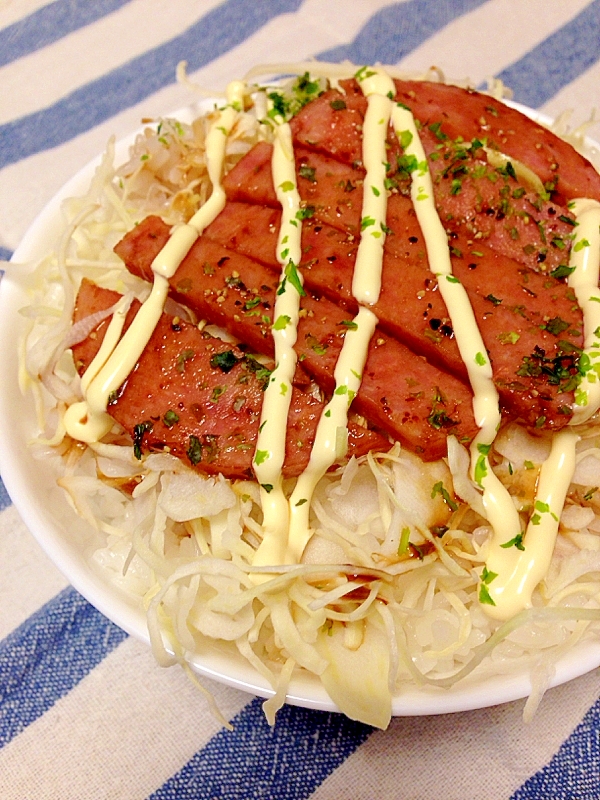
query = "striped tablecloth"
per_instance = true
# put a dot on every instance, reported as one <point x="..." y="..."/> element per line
<point x="84" y="710"/>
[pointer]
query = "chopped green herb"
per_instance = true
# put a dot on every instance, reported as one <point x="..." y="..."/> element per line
<point x="261" y="456"/>
<point x="216" y="393"/>
<point x="224" y="361"/>
<point x="439" y="419"/>
<point x="481" y="470"/>
<point x="439" y="488"/>
<point x="170" y="418"/>
<point x="366" y="222"/>
<point x="305" y="213"/>
<point x="556" y="326"/>
<point x="404" y="539"/>
<point x="494" y="300"/>
<point x="282" y="321"/>
<point x="436" y="129"/>
<point x="138" y="434"/>
<point x="510" y="337"/>
<point x="185" y="355"/>
<point x="308" y="173"/>
<point x="562" y="271"/>
<point x="487" y="576"/>
<point x="194" y="451"/>
<point x="484" y="596"/>
<point x="364" y="72"/>
<point x="405" y="138"/>
<point x="516" y="541"/>
<point x="291" y="274"/>
<point x="567" y="220"/>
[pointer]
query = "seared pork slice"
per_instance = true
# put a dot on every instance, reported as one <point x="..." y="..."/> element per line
<point x="333" y="124"/>
<point x="200" y="399"/>
<point x="401" y="393"/>
<point x="527" y="320"/>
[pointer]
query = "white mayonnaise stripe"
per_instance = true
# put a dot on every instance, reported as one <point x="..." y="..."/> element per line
<point x="514" y="569"/>
<point x="331" y="439"/>
<point x="378" y="87"/>
<point x="514" y="566"/>
<point x="512" y="574"/>
<point x="500" y="509"/>
<point x="585" y="262"/>
<point x="270" y="448"/>
<point x="332" y="430"/>
<point x="76" y="419"/>
<point x="88" y="421"/>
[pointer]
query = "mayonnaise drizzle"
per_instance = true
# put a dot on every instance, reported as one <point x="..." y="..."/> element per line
<point x="511" y="574"/>
<point x="499" y="507"/>
<point x="378" y="87"/>
<point x="88" y="420"/>
<point x="77" y="417"/>
<point x="331" y="429"/>
<point x="291" y="525"/>
<point x="270" y="448"/>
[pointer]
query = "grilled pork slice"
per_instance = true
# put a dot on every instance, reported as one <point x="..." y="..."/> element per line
<point x="485" y="203"/>
<point x="401" y="393"/>
<point x="519" y="207"/>
<point x="530" y="325"/>
<point x="333" y="125"/>
<point x="200" y="399"/>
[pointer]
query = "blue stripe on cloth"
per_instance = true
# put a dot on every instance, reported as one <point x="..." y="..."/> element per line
<point x="563" y="778"/>
<point x="46" y="656"/>
<point x="556" y="61"/>
<point x="50" y="23"/>
<point x="5" y="254"/>
<point x="5" y="500"/>
<point x="397" y="29"/>
<point x="255" y="761"/>
<point x="223" y="28"/>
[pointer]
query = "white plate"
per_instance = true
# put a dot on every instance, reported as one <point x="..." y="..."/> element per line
<point x="68" y="541"/>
